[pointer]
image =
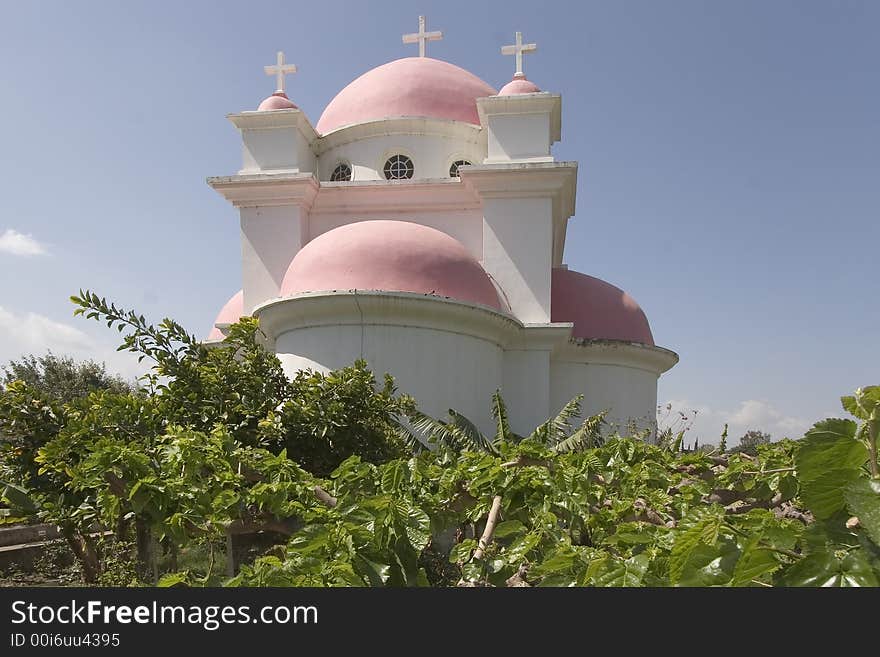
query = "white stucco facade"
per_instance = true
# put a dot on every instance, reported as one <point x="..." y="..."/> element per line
<point x="508" y="208"/>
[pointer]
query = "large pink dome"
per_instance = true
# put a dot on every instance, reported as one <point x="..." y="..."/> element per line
<point x="229" y="314"/>
<point x="598" y="309"/>
<point x="414" y="86"/>
<point x="393" y="256"/>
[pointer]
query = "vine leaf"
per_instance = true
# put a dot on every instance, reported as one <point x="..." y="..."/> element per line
<point x="863" y="500"/>
<point x="704" y="531"/>
<point x="828" y="459"/>
<point x="753" y="563"/>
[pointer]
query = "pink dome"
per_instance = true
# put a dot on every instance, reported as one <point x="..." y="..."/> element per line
<point x="229" y="314"/>
<point x="519" y="85"/>
<point x="394" y="256"/>
<point x="276" y="101"/>
<point x="414" y="86"/>
<point x="598" y="309"/>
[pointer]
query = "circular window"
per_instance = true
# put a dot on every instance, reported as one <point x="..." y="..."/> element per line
<point x="453" y="169"/>
<point x="342" y="172"/>
<point x="398" y="167"/>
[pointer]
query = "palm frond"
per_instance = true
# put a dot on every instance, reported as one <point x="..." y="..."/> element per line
<point x="433" y="432"/>
<point x="468" y="433"/>
<point x="410" y="439"/>
<point x="557" y="428"/>
<point x="587" y="436"/>
<point x="499" y="413"/>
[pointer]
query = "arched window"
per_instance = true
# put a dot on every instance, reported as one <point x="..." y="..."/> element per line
<point x="453" y="169"/>
<point x="342" y="172"/>
<point x="398" y="167"/>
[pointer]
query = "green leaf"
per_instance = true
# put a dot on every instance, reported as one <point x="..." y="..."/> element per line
<point x="818" y="569"/>
<point x="468" y="433"/>
<point x="754" y="562"/>
<point x="18" y="498"/>
<point x="560" y="561"/>
<point x="828" y="459"/>
<point x="851" y="406"/>
<point x="225" y="499"/>
<point x="863" y="500"/>
<point x="824" y="495"/>
<point x="521" y="547"/>
<point x="826" y="570"/>
<point x="630" y="572"/>
<point x="703" y="531"/>
<point x="394" y="475"/>
<point x="509" y="528"/>
<point x="173" y="579"/>
<point x="462" y="552"/>
<point x="499" y="413"/>
<point x="856" y="570"/>
<point x="376" y="573"/>
<point x="709" y="565"/>
<point x="863" y="403"/>
<point x="418" y="524"/>
<point x="829" y="444"/>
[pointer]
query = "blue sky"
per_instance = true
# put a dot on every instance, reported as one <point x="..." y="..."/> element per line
<point x="729" y="168"/>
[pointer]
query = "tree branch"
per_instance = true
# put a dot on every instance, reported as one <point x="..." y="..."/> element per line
<point x="325" y="498"/>
<point x="489" y="531"/>
<point x="522" y="461"/>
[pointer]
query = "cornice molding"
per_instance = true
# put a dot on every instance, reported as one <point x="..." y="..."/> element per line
<point x="267" y="189"/>
<point x="377" y="308"/>
<point x="395" y="196"/>
<point x="273" y="120"/>
<point x="615" y="352"/>
<point x="400" y="125"/>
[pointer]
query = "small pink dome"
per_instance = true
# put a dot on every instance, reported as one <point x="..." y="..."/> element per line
<point x="229" y="314"/>
<point x="276" y="101"/>
<point x="413" y="86"/>
<point x="519" y="85"/>
<point x="598" y="309"/>
<point x="393" y="256"/>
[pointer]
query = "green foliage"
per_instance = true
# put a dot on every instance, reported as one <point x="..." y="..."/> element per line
<point x="61" y="379"/>
<point x="750" y="441"/>
<point x="221" y="443"/>
<point x="189" y="454"/>
<point x="325" y="418"/>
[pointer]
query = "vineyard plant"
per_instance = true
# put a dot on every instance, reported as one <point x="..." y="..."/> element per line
<point x="357" y="487"/>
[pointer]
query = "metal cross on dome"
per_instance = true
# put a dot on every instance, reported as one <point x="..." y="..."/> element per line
<point x="422" y="37"/>
<point x="519" y="49"/>
<point x="279" y="70"/>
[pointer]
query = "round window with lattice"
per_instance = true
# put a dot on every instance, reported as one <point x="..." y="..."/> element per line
<point x="342" y="172"/>
<point x="398" y="167"/>
<point x="453" y="169"/>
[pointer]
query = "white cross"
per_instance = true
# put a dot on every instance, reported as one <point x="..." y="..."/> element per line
<point x="279" y="71"/>
<point x="518" y="50"/>
<point x="422" y="37"/>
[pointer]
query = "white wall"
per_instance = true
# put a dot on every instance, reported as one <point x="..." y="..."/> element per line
<point x="517" y="253"/>
<point x="521" y="137"/>
<point x="270" y="237"/>
<point x="629" y="391"/>
<point x="442" y="370"/>
<point x="526" y="390"/>
<point x="279" y="148"/>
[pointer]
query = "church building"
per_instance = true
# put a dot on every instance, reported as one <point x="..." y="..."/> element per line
<point x="420" y="225"/>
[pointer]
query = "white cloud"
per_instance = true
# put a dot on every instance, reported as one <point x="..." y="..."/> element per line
<point x="31" y="333"/>
<point x="707" y="423"/>
<point x="19" y="244"/>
